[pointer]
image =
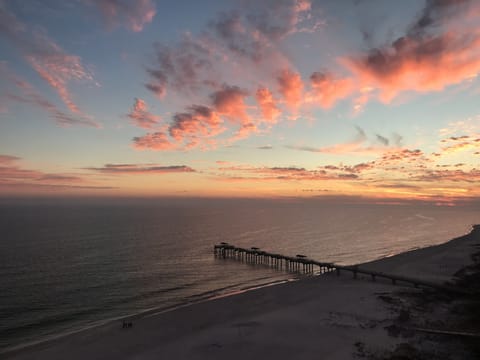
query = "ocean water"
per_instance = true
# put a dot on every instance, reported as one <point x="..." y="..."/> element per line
<point x="70" y="264"/>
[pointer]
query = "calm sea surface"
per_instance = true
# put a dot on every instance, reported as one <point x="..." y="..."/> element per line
<point x="67" y="265"/>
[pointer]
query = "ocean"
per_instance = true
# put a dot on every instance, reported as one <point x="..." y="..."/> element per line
<point x="69" y="264"/>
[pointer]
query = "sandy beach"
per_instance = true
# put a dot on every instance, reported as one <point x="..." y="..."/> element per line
<point x="322" y="317"/>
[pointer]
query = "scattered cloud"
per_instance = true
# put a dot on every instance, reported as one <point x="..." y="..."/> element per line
<point x="198" y="122"/>
<point x="153" y="141"/>
<point x="383" y="139"/>
<point x="60" y="177"/>
<point x="443" y="176"/>
<point x="6" y="159"/>
<point x="327" y="89"/>
<point x="55" y="66"/>
<point x="12" y="175"/>
<point x="58" y="68"/>
<point x="132" y="14"/>
<point x="185" y="68"/>
<point x="26" y="94"/>
<point x="140" y="115"/>
<point x="358" y="146"/>
<point x="462" y="143"/>
<point x="141" y="169"/>
<point x="247" y="44"/>
<point x="268" y="106"/>
<point x="244" y="43"/>
<point x="291" y="87"/>
<point x="238" y="173"/>
<point x="412" y="61"/>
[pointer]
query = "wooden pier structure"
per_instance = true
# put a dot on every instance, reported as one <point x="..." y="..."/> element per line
<point x="302" y="264"/>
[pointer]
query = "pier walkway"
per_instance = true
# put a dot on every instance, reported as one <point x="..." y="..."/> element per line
<point x="302" y="264"/>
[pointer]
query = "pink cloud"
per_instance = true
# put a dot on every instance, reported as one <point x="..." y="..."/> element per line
<point x="199" y="125"/>
<point x="230" y="103"/>
<point x="57" y="70"/>
<point x="132" y="14"/>
<point x="327" y="89"/>
<point x="268" y="106"/>
<point x="291" y="87"/>
<point x="140" y="115"/>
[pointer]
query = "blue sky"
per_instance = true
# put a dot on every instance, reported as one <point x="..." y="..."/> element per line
<point x="240" y="98"/>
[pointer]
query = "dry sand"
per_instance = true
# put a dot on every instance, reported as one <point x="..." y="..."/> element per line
<point x="325" y="317"/>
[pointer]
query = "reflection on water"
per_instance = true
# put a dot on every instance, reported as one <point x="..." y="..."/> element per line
<point x="65" y="265"/>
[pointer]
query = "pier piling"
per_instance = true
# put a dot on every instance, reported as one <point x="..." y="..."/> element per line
<point x="302" y="264"/>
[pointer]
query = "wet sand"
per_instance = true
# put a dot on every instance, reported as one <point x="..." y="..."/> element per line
<point x="324" y="317"/>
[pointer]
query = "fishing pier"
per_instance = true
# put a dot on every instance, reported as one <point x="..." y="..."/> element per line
<point x="299" y="263"/>
<point x="302" y="264"/>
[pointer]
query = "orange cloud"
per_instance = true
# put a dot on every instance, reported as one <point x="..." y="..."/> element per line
<point x="268" y="106"/>
<point x="291" y="87"/>
<point x="140" y="115"/>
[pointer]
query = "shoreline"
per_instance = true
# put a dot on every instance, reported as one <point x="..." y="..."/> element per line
<point x="190" y="301"/>
<point x="191" y="322"/>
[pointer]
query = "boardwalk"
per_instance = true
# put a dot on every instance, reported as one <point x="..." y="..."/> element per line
<point x="302" y="264"/>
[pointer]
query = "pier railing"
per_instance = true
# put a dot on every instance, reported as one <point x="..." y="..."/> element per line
<point x="302" y="264"/>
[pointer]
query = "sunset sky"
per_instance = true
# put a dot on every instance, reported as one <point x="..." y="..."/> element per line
<point x="276" y="98"/>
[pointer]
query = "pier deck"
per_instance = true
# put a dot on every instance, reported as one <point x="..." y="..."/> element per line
<point x="302" y="264"/>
